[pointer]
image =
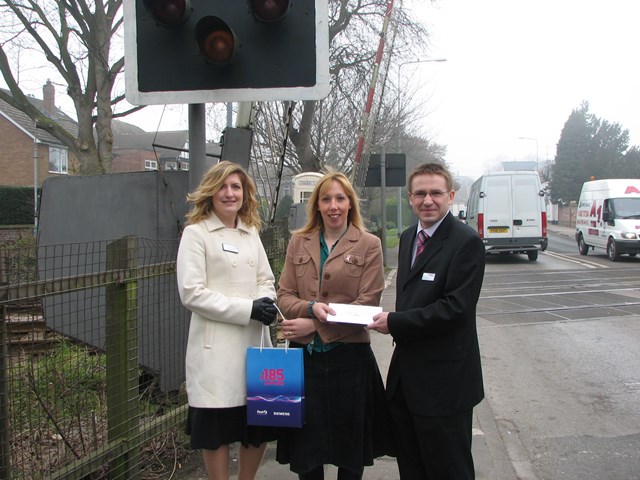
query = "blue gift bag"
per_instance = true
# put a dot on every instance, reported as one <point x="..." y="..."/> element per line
<point x="275" y="386"/>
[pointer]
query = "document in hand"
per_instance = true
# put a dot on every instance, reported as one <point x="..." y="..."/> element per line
<point x="359" y="314"/>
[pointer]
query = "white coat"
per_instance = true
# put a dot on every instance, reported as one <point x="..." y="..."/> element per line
<point x="220" y="272"/>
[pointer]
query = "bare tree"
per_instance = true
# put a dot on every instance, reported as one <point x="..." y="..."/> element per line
<point x="75" y="37"/>
<point x="326" y="132"/>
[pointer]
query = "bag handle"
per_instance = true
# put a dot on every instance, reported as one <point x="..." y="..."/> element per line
<point x="286" y="340"/>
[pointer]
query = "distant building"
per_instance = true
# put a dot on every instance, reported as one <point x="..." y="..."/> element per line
<point x="522" y="166"/>
<point x="28" y="152"/>
<point x="135" y="150"/>
<point x="303" y="185"/>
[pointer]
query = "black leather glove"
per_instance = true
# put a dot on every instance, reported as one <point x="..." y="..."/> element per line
<point x="263" y="310"/>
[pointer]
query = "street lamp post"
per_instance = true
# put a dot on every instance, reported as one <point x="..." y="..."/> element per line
<point x="399" y="133"/>
<point x="533" y="140"/>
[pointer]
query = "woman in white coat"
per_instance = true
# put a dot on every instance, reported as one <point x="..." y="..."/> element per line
<point x="225" y="280"/>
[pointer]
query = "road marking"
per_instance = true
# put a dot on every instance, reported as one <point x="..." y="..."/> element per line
<point x="389" y="280"/>
<point x="584" y="263"/>
<point x="571" y="292"/>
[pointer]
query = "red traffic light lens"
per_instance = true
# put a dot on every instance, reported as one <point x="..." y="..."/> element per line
<point x="216" y="40"/>
<point x="169" y="12"/>
<point x="269" y="10"/>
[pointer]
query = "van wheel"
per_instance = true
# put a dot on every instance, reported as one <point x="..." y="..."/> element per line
<point x="612" y="251"/>
<point x="583" y="248"/>
<point x="533" y="255"/>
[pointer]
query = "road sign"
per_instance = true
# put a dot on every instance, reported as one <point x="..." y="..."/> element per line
<point x="395" y="171"/>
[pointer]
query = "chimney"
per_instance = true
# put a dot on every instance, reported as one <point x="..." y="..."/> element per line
<point x="49" y="98"/>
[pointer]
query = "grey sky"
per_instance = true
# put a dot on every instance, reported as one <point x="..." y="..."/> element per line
<point x="518" y="68"/>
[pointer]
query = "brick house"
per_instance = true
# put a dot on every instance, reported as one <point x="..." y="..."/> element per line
<point x="135" y="150"/>
<point x="23" y="145"/>
<point x="28" y="152"/>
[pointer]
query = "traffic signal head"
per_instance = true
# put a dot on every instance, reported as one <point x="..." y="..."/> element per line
<point x="269" y="10"/>
<point x="168" y="13"/>
<point x="199" y="51"/>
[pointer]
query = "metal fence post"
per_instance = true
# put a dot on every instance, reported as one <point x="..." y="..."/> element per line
<point x="5" y="462"/>
<point x="122" y="357"/>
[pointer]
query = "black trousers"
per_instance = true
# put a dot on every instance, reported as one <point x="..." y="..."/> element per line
<point x="432" y="448"/>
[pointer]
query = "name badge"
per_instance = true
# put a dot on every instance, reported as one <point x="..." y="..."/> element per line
<point x="428" y="277"/>
<point x="230" y="248"/>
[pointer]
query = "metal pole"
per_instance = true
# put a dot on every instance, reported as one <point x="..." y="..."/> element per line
<point x="383" y="200"/>
<point x="197" y="144"/>
<point x="399" y="133"/>
<point x="399" y="223"/>
<point x="229" y="114"/>
<point x="35" y="184"/>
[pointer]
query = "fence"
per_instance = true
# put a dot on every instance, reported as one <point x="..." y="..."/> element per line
<point x="92" y="342"/>
<point x="567" y="215"/>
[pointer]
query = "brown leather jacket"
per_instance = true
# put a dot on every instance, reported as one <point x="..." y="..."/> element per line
<point x="353" y="274"/>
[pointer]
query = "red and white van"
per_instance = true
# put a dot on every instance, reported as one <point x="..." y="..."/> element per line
<point x="608" y="217"/>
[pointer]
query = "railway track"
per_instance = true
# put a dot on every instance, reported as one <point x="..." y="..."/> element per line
<point x="25" y="329"/>
<point x="560" y="295"/>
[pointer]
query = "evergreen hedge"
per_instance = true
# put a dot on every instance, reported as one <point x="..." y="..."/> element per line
<point x="16" y="205"/>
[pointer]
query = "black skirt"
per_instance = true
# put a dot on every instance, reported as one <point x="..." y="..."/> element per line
<point x="347" y="419"/>
<point x="210" y="428"/>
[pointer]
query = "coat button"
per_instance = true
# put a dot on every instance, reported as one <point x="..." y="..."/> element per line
<point x="234" y="263"/>
<point x="325" y="294"/>
<point x="327" y="276"/>
<point x="299" y="259"/>
<point x="252" y="263"/>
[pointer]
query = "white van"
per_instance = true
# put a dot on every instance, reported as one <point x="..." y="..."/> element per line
<point x="508" y="211"/>
<point x="608" y="217"/>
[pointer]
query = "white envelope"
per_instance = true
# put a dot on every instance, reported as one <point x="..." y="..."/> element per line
<point x="358" y="314"/>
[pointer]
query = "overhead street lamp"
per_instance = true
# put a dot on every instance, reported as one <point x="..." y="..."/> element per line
<point x="533" y="140"/>
<point x="400" y="65"/>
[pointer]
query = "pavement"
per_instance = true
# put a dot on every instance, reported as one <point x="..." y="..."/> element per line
<point x="562" y="230"/>
<point x="490" y="454"/>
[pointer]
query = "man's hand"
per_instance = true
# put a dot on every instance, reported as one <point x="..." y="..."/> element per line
<point x="379" y="323"/>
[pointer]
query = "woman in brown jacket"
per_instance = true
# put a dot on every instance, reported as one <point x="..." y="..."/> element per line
<point x="333" y="259"/>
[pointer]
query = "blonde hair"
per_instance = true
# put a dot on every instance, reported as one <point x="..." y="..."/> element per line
<point x="314" y="218"/>
<point x="202" y="196"/>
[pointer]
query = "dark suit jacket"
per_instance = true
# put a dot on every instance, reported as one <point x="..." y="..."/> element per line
<point x="436" y="355"/>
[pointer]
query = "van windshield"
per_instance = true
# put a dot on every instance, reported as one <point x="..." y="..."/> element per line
<point x="625" y="207"/>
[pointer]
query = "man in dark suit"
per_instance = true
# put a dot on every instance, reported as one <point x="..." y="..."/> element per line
<point x="435" y="376"/>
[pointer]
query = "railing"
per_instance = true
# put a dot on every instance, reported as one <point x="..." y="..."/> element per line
<point x="92" y="342"/>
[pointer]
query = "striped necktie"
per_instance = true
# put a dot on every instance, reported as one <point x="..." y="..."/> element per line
<point x="422" y="241"/>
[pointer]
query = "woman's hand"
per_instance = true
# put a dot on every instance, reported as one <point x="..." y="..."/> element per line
<point x="321" y="311"/>
<point x="298" y="328"/>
